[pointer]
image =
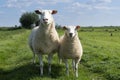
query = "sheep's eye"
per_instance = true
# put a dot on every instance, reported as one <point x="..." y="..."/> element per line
<point x="68" y="29"/>
<point x="40" y="13"/>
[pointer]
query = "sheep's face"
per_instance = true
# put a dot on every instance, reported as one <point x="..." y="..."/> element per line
<point x="46" y="16"/>
<point x="71" y="31"/>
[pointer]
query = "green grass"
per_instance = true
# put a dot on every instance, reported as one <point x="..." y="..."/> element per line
<point x="100" y="60"/>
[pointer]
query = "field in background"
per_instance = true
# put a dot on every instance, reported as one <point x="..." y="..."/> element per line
<point x="100" y="61"/>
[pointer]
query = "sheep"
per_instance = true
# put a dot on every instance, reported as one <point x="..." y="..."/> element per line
<point x="44" y="39"/>
<point x="70" y="48"/>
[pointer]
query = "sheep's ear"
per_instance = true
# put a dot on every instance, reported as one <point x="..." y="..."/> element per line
<point x="38" y="12"/>
<point x="64" y="27"/>
<point x="54" y="11"/>
<point x="77" y="27"/>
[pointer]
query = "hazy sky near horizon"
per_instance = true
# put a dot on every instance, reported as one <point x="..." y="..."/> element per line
<point x="70" y="12"/>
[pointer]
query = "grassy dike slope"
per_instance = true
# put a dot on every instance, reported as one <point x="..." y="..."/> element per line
<point x="100" y="60"/>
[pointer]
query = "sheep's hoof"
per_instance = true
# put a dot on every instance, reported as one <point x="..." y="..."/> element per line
<point x="49" y="73"/>
<point x="41" y="75"/>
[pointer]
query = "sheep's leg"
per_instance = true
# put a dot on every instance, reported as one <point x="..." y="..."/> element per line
<point x="41" y="64"/>
<point x="60" y="60"/>
<point x="33" y="58"/>
<point x="67" y="66"/>
<point x="73" y="64"/>
<point x="76" y="67"/>
<point x="49" y="62"/>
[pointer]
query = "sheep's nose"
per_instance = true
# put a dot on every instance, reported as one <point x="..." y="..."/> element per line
<point x="70" y="34"/>
<point x="45" y="19"/>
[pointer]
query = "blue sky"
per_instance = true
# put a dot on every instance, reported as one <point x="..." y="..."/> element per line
<point x="70" y="12"/>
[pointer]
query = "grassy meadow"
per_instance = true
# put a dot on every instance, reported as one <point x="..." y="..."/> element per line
<point x="100" y="60"/>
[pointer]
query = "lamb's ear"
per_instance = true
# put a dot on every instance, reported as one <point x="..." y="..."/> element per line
<point x="38" y="11"/>
<point x="64" y="28"/>
<point x="54" y="11"/>
<point x="77" y="27"/>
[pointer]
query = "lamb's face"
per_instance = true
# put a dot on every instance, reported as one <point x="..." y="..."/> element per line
<point x="71" y="31"/>
<point x="46" y="16"/>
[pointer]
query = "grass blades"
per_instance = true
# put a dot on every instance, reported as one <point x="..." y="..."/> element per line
<point x="100" y="60"/>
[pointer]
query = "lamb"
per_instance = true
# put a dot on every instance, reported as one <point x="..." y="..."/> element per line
<point x="70" y="48"/>
<point x="44" y="39"/>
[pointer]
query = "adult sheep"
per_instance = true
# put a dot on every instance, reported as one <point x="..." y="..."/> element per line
<point x="70" y="48"/>
<point x="44" y="39"/>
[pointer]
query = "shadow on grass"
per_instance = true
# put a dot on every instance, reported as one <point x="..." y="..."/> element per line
<point x="30" y="71"/>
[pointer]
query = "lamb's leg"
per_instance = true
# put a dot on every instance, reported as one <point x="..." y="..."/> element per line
<point x="41" y="64"/>
<point x="76" y="67"/>
<point x="49" y="62"/>
<point x="67" y="66"/>
<point x="73" y="64"/>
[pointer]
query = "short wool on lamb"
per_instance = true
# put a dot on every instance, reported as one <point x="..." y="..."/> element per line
<point x="70" y="47"/>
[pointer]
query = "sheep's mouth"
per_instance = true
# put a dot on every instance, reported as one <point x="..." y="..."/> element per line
<point x="71" y="35"/>
<point x="45" y="22"/>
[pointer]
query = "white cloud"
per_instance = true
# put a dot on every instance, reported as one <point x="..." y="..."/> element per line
<point x="100" y="2"/>
<point x="103" y="8"/>
<point x="93" y="4"/>
<point x="17" y="3"/>
<point x="27" y="3"/>
<point x="52" y="1"/>
<point x="81" y="5"/>
<point x="23" y="11"/>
